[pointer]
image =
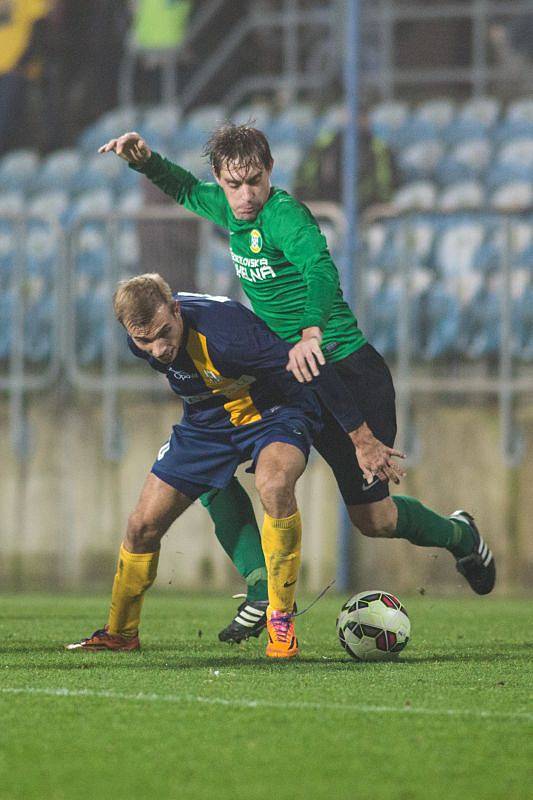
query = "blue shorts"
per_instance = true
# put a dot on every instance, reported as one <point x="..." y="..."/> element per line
<point x="198" y="459"/>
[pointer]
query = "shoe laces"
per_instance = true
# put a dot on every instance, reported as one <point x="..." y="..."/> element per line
<point x="281" y="624"/>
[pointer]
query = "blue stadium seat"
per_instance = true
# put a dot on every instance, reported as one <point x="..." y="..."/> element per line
<point x="8" y="255"/>
<point x="160" y="126"/>
<point x="388" y="118"/>
<point x="42" y="251"/>
<point x="513" y="196"/>
<point x="287" y="159"/>
<point x="40" y="313"/>
<point x="89" y="247"/>
<point x="467" y="160"/>
<point x="417" y="196"/>
<point x="518" y="121"/>
<point x="419" y="160"/>
<point x="443" y="322"/>
<point x="382" y="316"/>
<point x="481" y="323"/>
<point x="298" y="123"/>
<point x="476" y="120"/>
<point x="58" y="171"/>
<point x="93" y="203"/>
<point x="7" y="305"/>
<point x="18" y="170"/>
<point x="197" y="126"/>
<point x="438" y="113"/>
<point x="100" y="172"/>
<point x="55" y="204"/>
<point x="522" y="316"/>
<point x="462" y="196"/>
<point x="91" y="310"/>
<point x="457" y="245"/>
<point x="12" y="202"/>
<point x="260" y="112"/>
<point x="112" y="124"/>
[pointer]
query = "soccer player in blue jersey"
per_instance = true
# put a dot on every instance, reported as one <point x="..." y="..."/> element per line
<point x="240" y="404"/>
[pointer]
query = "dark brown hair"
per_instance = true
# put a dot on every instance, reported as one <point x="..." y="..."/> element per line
<point x="238" y="144"/>
<point x="136" y="300"/>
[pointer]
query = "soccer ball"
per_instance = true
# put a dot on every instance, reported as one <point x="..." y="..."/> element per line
<point x="373" y="626"/>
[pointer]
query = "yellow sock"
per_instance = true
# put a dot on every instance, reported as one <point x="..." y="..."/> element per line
<point x="135" y="574"/>
<point x="281" y="540"/>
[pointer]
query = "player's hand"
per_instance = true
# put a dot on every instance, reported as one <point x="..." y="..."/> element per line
<point x="306" y="355"/>
<point x="130" y="146"/>
<point x="375" y="458"/>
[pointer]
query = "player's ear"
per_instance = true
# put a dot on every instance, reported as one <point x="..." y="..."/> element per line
<point x="216" y="177"/>
<point x="176" y="308"/>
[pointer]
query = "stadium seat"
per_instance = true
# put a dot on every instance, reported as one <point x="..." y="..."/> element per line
<point x="100" y="172"/>
<point x="59" y="171"/>
<point x="476" y="119"/>
<point x="287" y="159"/>
<point x="481" y="321"/>
<point x="95" y="203"/>
<point x="296" y="124"/>
<point x="468" y="159"/>
<point x="197" y="126"/>
<point x="419" y="160"/>
<point x="8" y="250"/>
<point x="40" y="312"/>
<point x="443" y="319"/>
<point x="89" y="248"/>
<point x="260" y="112"/>
<point x="332" y="121"/>
<point x="53" y="204"/>
<point x="457" y="245"/>
<point x="42" y="251"/>
<point x="462" y="196"/>
<point x="130" y="201"/>
<point x="193" y="161"/>
<point x="111" y="124"/>
<point x="160" y="126"/>
<point x="418" y="196"/>
<point x="387" y="118"/>
<point x="438" y="113"/>
<point x="382" y="316"/>
<point x="18" y="170"/>
<point x="12" y="202"/>
<point x="416" y="240"/>
<point x="517" y="153"/>
<point x="513" y="196"/>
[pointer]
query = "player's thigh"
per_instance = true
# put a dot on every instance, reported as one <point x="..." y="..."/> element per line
<point x="279" y="463"/>
<point x="159" y="504"/>
<point x="377" y="519"/>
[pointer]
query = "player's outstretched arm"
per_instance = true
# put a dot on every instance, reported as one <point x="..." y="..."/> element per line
<point x="130" y="146"/>
<point x="374" y="457"/>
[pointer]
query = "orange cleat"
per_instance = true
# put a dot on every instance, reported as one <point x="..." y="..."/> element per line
<point x="282" y="641"/>
<point x="103" y="640"/>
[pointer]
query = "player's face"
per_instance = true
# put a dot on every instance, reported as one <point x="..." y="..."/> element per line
<point x="162" y="337"/>
<point x="246" y="189"/>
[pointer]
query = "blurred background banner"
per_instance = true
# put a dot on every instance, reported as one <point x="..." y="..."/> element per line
<point x="432" y="225"/>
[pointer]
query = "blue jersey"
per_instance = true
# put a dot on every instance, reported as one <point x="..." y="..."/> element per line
<point x="230" y="368"/>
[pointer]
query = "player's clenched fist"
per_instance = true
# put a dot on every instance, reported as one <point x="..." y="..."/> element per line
<point x="130" y="146"/>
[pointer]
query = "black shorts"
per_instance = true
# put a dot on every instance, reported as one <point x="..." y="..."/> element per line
<point x="369" y="381"/>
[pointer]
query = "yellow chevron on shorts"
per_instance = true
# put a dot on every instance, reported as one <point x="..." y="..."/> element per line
<point x="240" y="406"/>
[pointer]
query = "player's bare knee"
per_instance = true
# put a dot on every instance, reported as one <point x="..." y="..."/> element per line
<point x="375" y="529"/>
<point x="277" y="494"/>
<point x="141" y="535"/>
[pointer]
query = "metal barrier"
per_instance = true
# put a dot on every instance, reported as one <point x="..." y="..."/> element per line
<point x="109" y="374"/>
<point x="18" y="379"/>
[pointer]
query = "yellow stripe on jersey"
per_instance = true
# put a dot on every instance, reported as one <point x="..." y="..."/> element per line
<point x="240" y="405"/>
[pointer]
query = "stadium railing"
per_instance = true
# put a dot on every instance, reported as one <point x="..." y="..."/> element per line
<point x="34" y="293"/>
<point x="447" y="315"/>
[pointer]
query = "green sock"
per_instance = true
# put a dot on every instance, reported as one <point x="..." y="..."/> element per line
<point x="425" y="528"/>
<point x="236" y="529"/>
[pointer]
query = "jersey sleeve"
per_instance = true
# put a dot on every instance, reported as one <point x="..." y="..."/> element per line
<point x="297" y="234"/>
<point x="201" y="197"/>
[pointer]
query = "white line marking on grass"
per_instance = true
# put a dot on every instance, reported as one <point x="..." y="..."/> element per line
<point x="152" y="697"/>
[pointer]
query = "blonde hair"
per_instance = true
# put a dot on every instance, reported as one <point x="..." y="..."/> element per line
<point x="136" y="300"/>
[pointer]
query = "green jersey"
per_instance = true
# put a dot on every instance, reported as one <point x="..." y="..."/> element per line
<point x="281" y="259"/>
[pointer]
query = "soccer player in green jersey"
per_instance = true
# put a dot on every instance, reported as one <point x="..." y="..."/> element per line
<point x="284" y="266"/>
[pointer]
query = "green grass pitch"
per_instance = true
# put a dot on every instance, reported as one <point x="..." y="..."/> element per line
<point x="191" y="718"/>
